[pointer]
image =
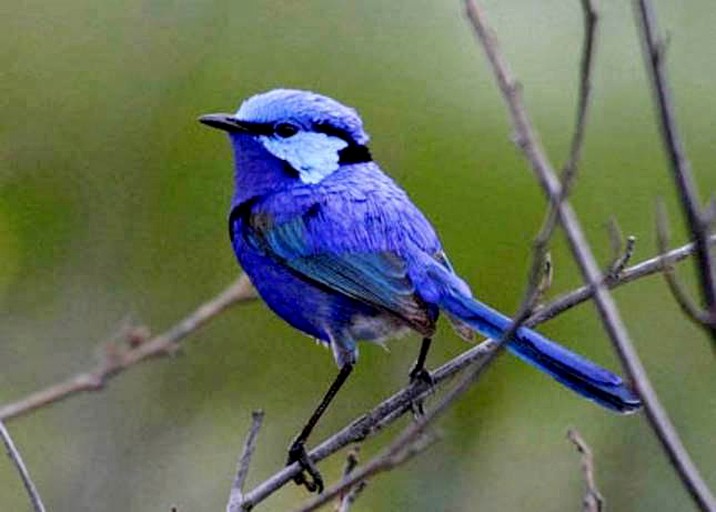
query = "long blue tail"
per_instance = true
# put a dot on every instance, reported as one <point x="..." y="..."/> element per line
<point x="574" y="371"/>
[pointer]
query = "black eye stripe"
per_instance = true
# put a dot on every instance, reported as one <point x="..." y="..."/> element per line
<point x="270" y="129"/>
<point x="257" y="128"/>
<point x="333" y="132"/>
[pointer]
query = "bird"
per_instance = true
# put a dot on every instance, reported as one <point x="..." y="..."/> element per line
<point x="337" y="249"/>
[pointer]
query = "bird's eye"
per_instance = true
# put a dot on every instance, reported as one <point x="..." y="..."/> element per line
<point x="285" y="130"/>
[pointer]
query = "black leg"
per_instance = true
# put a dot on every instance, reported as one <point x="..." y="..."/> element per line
<point x="297" y="450"/>
<point x="421" y="374"/>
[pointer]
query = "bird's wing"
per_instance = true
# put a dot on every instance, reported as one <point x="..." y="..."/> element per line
<point x="356" y="263"/>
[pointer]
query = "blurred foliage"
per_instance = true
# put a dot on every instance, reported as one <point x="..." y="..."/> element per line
<point x="113" y="203"/>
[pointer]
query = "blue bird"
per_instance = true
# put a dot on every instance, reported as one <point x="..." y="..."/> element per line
<point x="339" y="251"/>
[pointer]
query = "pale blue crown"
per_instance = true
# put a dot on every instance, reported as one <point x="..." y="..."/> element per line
<point x="309" y="110"/>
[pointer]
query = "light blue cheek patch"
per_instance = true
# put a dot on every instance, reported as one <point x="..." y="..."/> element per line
<point x="313" y="155"/>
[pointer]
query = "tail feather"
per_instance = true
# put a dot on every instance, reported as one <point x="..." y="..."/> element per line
<point x="574" y="371"/>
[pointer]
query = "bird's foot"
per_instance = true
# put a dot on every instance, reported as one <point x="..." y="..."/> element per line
<point x="309" y="476"/>
<point x="423" y="376"/>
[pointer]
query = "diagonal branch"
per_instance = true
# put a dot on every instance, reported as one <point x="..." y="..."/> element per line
<point x="412" y="440"/>
<point x="697" y="220"/>
<point x="393" y="408"/>
<point x="240" y="292"/>
<point x="116" y="362"/>
<point x="547" y="178"/>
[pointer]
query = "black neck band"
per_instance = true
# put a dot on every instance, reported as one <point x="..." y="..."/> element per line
<point x="354" y="154"/>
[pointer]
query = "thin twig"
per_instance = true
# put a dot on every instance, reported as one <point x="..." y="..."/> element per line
<point x="14" y="455"/>
<point x="622" y="250"/>
<point x="236" y="495"/>
<point x="618" y="265"/>
<point x="569" y="171"/>
<point x="592" y="501"/>
<point x="115" y="362"/>
<point x="687" y="305"/>
<point x="654" y="54"/>
<point x="611" y="319"/>
<point x="586" y="72"/>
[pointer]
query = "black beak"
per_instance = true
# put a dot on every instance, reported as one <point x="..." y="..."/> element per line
<point x="226" y="122"/>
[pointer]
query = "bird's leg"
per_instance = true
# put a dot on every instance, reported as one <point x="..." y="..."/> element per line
<point x="420" y="374"/>
<point x="297" y="450"/>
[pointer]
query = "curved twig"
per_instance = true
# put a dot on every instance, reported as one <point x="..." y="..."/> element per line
<point x="687" y="305"/>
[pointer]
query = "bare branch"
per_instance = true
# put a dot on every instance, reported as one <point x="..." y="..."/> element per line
<point x="593" y="501"/>
<point x="115" y="361"/>
<point x="393" y="408"/>
<point x="236" y="495"/>
<point x="14" y="455"/>
<point x="687" y="305"/>
<point x="78" y="383"/>
<point x="654" y="54"/>
<point x="606" y="306"/>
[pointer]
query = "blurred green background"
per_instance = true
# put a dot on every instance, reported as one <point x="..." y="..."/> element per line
<point x="113" y="203"/>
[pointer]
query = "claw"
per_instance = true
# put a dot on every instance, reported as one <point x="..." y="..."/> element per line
<point x="421" y="375"/>
<point x="309" y="477"/>
<point x="424" y="377"/>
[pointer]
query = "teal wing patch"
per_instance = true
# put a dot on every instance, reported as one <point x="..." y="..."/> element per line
<point x="377" y="278"/>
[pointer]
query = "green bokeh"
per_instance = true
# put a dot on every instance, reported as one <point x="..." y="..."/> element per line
<point x="113" y="203"/>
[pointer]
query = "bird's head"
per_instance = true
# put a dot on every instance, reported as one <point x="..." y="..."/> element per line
<point x="314" y="134"/>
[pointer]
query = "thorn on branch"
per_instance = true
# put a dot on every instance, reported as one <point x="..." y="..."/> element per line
<point x="593" y="500"/>
<point x="621" y="262"/>
<point x="622" y="250"/>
